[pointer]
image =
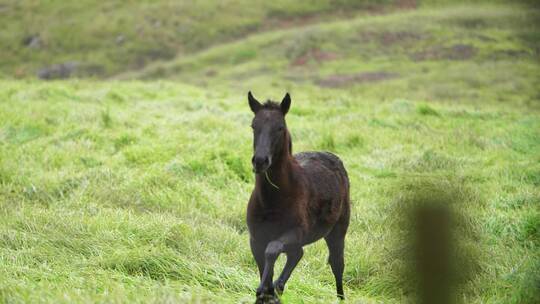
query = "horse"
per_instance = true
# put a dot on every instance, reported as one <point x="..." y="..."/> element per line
<point x="297" y="200"/>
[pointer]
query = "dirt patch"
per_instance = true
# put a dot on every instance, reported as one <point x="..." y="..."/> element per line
<point x="392" y="38"/>
<point x="336" y="81"/>
<point x="484" y="38"/>
<point x="502" y="54"/>
<point x="282" y="20"/>
<point x="455" y="52"/>
<point x="211" y="73"/>
<point x="316" y="55"/>
<point x="398" y="37"/>
<point x="468" y="22"/>
<point x="406" y="4"/>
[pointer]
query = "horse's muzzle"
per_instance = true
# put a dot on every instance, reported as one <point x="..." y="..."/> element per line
<point x="261" y="163"/>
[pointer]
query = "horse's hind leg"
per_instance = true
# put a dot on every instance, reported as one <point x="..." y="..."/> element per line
<point x="336" y="245"/>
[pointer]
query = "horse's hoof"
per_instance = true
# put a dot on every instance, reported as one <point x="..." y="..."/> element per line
<point x="267" y="299"/>
<point x="279" y="287"/>
<point x="262" y="291"/>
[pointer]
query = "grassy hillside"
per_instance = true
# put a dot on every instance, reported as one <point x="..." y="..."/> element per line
<point x="107" y="37"/>
<point x="481" y="53"/>
<point x="135" y="190"/>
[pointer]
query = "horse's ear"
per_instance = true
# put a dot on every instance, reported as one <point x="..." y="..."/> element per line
<point x="253" y="103"/>
<point x="285" y="104"/>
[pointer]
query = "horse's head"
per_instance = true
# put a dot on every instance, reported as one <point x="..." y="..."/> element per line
<point x="269" y="131"/>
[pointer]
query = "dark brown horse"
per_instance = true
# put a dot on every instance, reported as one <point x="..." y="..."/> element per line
<point x="298" y="199"/>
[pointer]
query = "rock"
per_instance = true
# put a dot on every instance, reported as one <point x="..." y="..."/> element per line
<point x="58" y="71"/>
<point x="32" y="41"/>
<point x="120" y="39"/>
<point x="70" y="69"/>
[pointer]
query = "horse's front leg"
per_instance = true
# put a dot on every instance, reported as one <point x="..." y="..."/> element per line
<point x="290" y="239"/>
<point x="293" y="257"/>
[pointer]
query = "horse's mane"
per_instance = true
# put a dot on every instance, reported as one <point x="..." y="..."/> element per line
<point x="271" y="105"/>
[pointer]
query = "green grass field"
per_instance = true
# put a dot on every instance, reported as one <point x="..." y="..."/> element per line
<point x="133" y="187"/>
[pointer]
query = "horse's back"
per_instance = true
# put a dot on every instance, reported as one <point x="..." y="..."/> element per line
<point x="328" y="184"/>
<point x="315" y="163"/>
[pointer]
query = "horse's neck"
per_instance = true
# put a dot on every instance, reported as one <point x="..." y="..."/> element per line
<point x="279" y="177"/>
